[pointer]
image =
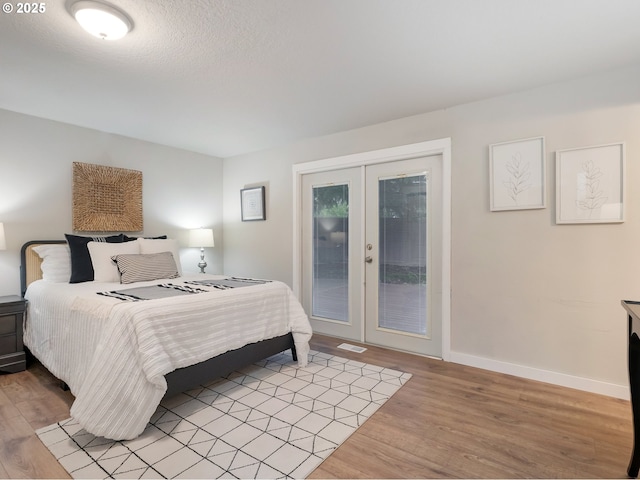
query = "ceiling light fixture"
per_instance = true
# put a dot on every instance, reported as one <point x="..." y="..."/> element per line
<point x="101" y="20"/>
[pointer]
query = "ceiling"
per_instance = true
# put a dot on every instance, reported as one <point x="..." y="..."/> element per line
<point x="227" y="77"/>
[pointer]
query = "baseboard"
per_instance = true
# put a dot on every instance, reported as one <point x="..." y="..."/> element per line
<point x="547" y="376"/>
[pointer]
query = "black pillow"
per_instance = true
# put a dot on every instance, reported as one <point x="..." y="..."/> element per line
<point x="127" y="238"/>
<point x="81" y="266"/>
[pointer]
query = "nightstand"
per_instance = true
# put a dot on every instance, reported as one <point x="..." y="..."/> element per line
<point x="12" y="357"/>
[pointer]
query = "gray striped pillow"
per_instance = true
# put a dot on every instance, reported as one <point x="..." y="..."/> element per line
<point x="147" y="266"/>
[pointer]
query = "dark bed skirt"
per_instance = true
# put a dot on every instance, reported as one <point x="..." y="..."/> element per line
<point x="190" y="377"/>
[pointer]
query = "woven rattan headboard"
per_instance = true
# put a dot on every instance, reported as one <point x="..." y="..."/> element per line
<point x="30" y="263"/>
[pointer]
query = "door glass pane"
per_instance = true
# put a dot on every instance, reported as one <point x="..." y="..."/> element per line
<point x="330" y="292"/>
<point x="402" y="292"/>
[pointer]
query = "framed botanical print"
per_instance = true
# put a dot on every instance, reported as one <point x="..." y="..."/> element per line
<point x="590" y="185"/>
<point x="517" y="175"/>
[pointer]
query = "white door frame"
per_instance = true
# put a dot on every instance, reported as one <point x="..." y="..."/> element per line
<point x="422" y="149"/>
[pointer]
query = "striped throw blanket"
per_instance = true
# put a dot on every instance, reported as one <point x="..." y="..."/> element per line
<point x="231" y="282"/>
<point x="153" y="292"/>
<point x="166" y="290"/>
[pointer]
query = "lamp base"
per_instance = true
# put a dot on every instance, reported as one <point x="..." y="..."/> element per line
<point x="202" y="263"/>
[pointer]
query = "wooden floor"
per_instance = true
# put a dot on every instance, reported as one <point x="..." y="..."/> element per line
<point x="448" y="421"/>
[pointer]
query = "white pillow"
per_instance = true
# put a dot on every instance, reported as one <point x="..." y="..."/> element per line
<point x="105" y="269"/>
<point x="56" y="262"/>
<point x="153" y="245"/>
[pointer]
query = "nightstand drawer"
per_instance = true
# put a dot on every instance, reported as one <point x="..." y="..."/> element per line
<point x="11" y="304"/>
<point x="8" y="323"/>
<point x="12" y="356"/>
<point x="9" y="344"/>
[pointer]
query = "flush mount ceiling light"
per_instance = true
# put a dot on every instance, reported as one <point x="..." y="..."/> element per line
<point x="101" y="20"/>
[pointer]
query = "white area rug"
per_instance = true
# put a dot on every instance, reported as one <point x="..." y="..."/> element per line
<point x="270" y="420"/>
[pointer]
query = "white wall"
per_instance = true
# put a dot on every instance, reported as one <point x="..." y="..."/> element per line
<point x="181" y="189"/>
<point x="528" y="296"/>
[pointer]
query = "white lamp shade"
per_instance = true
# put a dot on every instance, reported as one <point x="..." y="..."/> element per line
<point x="100" y="20"/>
<point x="3" y="241"/>
<point x="201" y="237"/>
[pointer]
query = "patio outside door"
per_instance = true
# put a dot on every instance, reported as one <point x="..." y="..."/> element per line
<point x="371" y="261"/>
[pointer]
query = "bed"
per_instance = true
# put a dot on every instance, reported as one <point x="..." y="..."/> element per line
<point x="120" y="357"/>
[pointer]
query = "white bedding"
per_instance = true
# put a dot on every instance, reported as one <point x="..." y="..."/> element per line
<point x="114" y="354"/>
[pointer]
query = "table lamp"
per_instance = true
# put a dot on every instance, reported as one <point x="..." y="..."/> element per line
<point x="201" y="238"/>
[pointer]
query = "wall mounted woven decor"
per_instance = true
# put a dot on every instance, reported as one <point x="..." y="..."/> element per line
<point x="106" y="199"/>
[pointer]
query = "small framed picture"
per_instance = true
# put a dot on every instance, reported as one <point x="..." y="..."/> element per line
<point x="590" y="184"/>
<point x="517" y="175"/>
<point x="252" y="204"/>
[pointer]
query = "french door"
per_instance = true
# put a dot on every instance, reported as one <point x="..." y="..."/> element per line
<point x="371" y="253"/>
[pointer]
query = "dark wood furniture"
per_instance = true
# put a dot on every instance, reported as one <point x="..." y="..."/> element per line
<point x="633" y="317"/>
<point x="12" y="356"/>
<point x="186" y="378"/>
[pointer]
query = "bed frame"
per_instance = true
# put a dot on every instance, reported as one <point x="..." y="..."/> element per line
<point x="186" y="378"/>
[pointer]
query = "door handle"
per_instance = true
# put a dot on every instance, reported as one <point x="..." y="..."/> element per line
<point x="368" y="259"/>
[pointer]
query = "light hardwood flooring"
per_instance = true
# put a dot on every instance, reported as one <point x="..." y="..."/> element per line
<point x="448" y="421"/>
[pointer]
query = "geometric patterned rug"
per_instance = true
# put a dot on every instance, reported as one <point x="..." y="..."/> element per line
<point x="269" y="420"/>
